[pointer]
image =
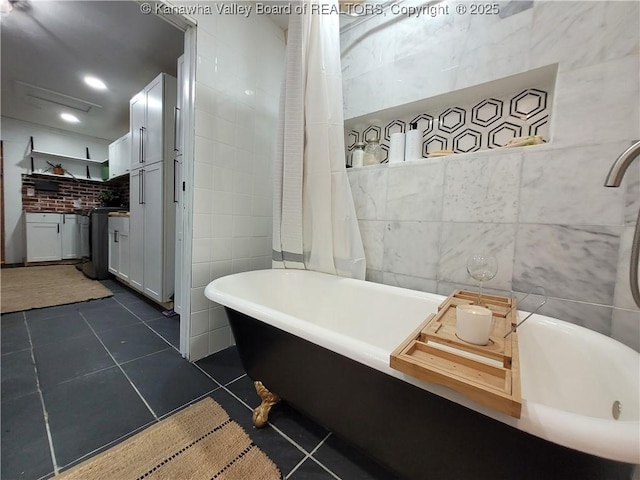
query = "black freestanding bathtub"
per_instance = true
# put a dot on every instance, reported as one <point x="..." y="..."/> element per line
<point x="417" y="433"/>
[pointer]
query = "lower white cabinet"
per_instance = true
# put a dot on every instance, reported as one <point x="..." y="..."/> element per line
<point x="52" y="236"/>
<point x="44" y="237"/>
<point x="119" y="255"/>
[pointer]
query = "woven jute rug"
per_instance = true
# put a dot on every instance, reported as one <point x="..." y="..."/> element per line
<point x="199" y="442"/>
<point x="25" y="288"/>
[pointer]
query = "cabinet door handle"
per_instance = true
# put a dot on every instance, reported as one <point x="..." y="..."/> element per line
<point x="176" y="110"/>
<point x="115" y="236"/>
<point x="58" y="225"/>
<point x="142" y="187"/>
<point x="141" y="151"/>
<point x="175" y="181"/>
<point x="64" y="218"/>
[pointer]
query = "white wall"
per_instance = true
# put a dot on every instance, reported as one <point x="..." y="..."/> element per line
<point x="542" y="210"/>
<point x="240" y="63"/>
<point x="15" y="136"/>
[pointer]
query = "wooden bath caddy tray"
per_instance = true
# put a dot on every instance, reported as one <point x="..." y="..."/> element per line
<point x="489" y="374"/>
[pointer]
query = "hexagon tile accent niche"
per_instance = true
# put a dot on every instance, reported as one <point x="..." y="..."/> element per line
<point x="487" y="124"/>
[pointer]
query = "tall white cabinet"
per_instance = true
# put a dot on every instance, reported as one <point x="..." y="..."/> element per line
<point x="152" y="213"/>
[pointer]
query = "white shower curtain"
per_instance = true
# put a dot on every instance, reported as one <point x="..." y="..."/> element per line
<point x="315" y="225"/>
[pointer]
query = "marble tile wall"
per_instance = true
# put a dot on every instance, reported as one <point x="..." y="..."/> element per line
<point x="542" y="210"/>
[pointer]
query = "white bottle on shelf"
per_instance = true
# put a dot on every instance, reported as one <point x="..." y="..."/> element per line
<point x="413" y="144"/>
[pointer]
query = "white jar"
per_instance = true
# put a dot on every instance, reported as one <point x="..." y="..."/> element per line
<point x="357" y="156"/>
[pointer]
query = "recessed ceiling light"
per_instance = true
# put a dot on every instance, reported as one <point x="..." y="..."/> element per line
<point x="67" y="117"/>
<point x="95" y="82"/>
<point x="6" y="7"/>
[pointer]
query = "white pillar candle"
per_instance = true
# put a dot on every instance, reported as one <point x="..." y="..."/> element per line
<point x="473" y="324"/>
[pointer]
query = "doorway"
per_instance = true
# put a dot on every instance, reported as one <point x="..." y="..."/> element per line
<point x="35" y="92"/>
<point x="1" y="203"/>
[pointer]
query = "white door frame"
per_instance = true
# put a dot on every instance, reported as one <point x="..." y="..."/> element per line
<point x="188" y="125"/>
<point x="189" y="26"/>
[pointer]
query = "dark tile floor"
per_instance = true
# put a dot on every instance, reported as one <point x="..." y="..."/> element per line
<point x="77" y="379"/>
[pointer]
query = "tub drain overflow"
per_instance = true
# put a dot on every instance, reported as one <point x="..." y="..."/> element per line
<point x="616" y="409"/>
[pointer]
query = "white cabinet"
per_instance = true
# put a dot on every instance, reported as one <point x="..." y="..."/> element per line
<point x="123" y="241"/>
<point x="137" y="116"/>
<point x="151" y="121"/>
<point x="151" y="195"/>
<point x="119" y="247"/>
<point x="44" y="239"/>
<point x="52" y="236"/>
<point x="136" y="230"/>
<point x="120" y="157"/>
<point x="152" y="232"/>
<point x="154" y="263"/>
<point x="70" y="229"/>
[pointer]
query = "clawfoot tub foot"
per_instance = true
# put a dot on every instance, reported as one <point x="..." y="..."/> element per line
<point x="261" y="413"/>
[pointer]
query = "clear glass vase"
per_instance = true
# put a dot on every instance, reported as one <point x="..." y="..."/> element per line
<point x="373" y="154"/>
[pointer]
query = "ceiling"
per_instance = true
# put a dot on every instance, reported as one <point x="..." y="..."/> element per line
<point x="48" y="46"/>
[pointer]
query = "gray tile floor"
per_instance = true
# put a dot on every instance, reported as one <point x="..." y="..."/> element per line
<point x="77" y="379"/>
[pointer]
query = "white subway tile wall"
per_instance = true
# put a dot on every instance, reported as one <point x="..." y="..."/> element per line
<point x="240" y="64"/>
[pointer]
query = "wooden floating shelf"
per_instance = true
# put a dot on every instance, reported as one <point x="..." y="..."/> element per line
<point x="489" y="374"/>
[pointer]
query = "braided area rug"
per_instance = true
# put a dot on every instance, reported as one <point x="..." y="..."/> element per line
<point x="199" y="442"/>
<point x="25" y="288"/>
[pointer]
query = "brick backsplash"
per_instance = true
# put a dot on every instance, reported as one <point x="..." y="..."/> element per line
<point x="69" y="189"/>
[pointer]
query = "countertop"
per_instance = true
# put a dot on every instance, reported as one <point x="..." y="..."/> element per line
<point x="71" y="212"/>
<point x="118" y="214"/>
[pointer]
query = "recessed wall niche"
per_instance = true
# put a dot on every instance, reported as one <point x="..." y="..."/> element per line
<point x="482" y="117"/>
